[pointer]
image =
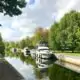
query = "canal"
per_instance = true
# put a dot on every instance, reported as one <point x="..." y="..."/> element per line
<point x="41" y="69"/>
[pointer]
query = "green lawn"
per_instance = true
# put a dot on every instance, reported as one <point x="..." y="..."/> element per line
<point x="72" y="54"/>
<point x="68" y="53"/>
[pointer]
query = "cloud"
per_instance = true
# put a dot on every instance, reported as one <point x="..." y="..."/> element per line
<point x="42" y="14"/>
<point x="31" y="2"/>
<point x="66" y="6"/>
<point x="9" y="34"/>
<point x="25" y="26"/>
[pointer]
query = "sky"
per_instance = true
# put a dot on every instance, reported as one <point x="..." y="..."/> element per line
<point x="37" y="13"/>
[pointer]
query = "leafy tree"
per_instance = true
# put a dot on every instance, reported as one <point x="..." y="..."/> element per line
<point x="54" y="41"/>
<point x="65" y="34"/>
<point x="28" y="42"/>
<point x="12" y="7"/>
<point x="69" y="24"/>
<point x="41" y="35"/>
<point x="22" y="44"/>
<point x="2" y="46"/>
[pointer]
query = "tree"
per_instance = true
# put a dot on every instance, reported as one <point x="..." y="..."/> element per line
<point x="12" y="7"/>
<point x="69" y="24"/>
<point x="22" y="44"/>
<point x="65" y="34"/>
<point x="41" y="35"/>
<point x="28" y="41"/>
<point x="54" y="37"/>
<point x="2" y="46"/>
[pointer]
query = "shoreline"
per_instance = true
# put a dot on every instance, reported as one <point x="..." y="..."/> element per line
<point x="69" y="59"/>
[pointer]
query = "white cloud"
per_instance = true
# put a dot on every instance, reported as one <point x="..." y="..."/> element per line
<point x="25" y="26"/>
<point x="9" y="34"/>
<point x="65" y="6"/>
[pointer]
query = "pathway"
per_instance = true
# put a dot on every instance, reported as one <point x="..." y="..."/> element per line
<point x="7" y="72"/>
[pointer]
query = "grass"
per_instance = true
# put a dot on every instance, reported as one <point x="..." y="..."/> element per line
<point x="68" y="53"/>
<point x="72" y="54"/>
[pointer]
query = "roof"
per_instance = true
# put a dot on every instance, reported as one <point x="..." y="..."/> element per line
<point x="42" y="47"/>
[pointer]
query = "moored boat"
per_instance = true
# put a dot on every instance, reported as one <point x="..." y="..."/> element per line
<point x="26" y="51"/>
<point x="43" y="52"/>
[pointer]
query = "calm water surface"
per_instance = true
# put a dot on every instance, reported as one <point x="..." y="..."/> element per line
<point x="42" y="69"/>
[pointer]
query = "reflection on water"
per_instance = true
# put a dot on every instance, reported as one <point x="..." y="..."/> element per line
<point x="43" y="63"/>
<point x="61" y="73"/>
<point x="67" y="65"/>
<point x="25" y="69"/>
<point x="42" y="69"/>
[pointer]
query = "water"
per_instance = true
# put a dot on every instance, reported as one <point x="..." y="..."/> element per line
<point x="41" y="69"/>
<point x="27" y="70"/>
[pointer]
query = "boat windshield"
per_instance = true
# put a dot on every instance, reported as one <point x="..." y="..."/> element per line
<point x="43" y="49"/>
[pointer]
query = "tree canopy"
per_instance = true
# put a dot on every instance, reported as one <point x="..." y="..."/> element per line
<point x="12" y="7"/>
<point x="2" y="46"/>
<point x="66" y="33"/>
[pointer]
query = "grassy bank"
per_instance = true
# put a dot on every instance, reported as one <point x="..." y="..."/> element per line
<point x="68" y="53"/>
<point x="72" y="54"/>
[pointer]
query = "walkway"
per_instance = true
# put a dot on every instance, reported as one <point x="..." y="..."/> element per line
<point x="68" y="58"/>
<point x="7" y="72"/>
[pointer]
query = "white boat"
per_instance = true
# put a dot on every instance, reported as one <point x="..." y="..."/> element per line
<point x="26" y="51"/>
<point x="43" y="52"/>
<point x="14" y="50"/>
<point x="33" y="53"/>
